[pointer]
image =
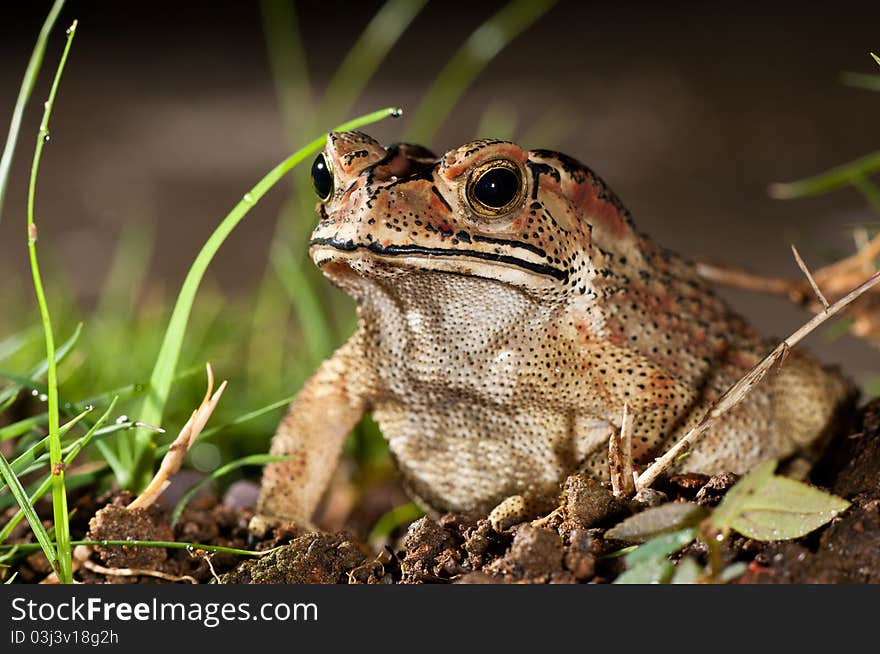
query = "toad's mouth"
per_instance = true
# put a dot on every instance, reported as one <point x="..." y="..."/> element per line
<point x="326" y="250"/>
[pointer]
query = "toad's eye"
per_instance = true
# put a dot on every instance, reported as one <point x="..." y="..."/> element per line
<point x="322" y="178"/>
<point x="495" y="187"/>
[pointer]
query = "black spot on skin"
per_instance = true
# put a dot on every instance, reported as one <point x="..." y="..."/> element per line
<point x="351" y="156"/>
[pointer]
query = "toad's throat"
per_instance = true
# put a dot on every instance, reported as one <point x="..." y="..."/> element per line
<point x="441" y="253"/>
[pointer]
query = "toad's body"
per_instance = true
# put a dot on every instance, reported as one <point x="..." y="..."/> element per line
<point x="507" y="311"/>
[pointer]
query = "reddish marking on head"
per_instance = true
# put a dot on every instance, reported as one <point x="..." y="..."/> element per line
<point x="600" y="211"/>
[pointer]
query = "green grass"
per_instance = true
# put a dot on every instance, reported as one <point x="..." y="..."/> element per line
<point x="141" y="351"/>
<point x="24" y="94"/>
<point x="59" y="494"/>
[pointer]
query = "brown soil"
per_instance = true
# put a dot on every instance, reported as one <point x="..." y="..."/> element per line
<point x="566" y="547"/>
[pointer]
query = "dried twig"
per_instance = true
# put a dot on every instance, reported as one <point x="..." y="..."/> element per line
<point x="806" y="271"/>
<point x="735" y="394"/>
<point x="835" y="279"/>
<point x="136" y="572"/>
<point x="745" y="280"/>
<point x="173" y="458"/>
<point x="620" y="462"/>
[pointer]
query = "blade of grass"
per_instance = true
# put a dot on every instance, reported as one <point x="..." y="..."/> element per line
<point x="59" y="495"/>
<point x="287" y="58"/>
<point x="478" y="50"/>
<point x="23" y="426"/>
<point x="498" y="121"/>
<point x="24" y="94"/>
<point x="95" y="471"/>
<point x="830" y="180"/>
<point x="869" y="190"/>
<point x="287" y="262"/>
<point x="68" y="459"/>
<point x="16" y="429"/>
<point x="252" y="460"/>
<point x="364" y="57"/>
<point x="14" y="344"/>
<point x="8" y="395"/>
<point x="304" y="297"/>
<point x="170" y="544"/>
<point x="35" y="452"/>
<point x="169" y="353"/>
<point x="27" y="509"/>
<point x="861" y="80"/>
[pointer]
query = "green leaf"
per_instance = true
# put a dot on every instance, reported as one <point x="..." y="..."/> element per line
<point x="876" y="58"/>
<point x="688" y="571"/>
<point x="768" y="507"/>
<point x="737" y="497"/>
<point x="785" y="509"/>
<point x="657" y="520"/>
<point x="654" y="571"/>
<point x="662" y="546"/>
<point x="391" y="520"/>
<point x="733" y="571"/>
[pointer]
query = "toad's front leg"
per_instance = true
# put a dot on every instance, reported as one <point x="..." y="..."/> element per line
<point x="324" y="412"/>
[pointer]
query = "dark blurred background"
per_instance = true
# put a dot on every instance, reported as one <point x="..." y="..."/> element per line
<point x="168" y="113"/>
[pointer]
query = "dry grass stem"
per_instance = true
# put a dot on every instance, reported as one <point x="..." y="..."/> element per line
<point x="806" y="271"/>
<point x="735" y="394"/>
<point x="620" y="462"/>
<point x="173" y="459"/>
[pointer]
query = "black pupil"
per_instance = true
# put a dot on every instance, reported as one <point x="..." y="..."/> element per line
<point x="497" y="187"/>
<point x="322" y="180"/>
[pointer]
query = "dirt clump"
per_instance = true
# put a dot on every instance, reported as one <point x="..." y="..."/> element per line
<point x="314" y="558"/>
